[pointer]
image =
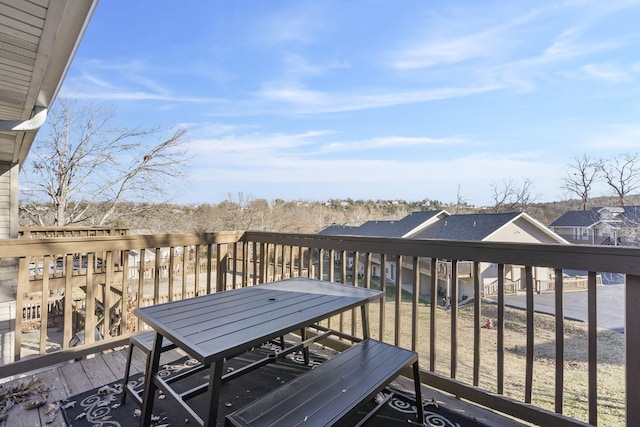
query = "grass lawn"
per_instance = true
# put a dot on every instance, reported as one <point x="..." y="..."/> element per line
<point x="611" y="368"/>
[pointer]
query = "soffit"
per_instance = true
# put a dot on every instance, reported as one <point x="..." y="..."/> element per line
<point x="37" y="41"/>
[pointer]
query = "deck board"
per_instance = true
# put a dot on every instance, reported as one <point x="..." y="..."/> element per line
<point x="58" y="391"/>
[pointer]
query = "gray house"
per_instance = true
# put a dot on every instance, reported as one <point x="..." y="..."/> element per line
<point x="503" y="227"/>
<point x="600" y="226"/>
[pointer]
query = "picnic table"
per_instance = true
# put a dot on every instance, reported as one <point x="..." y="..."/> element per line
<point x="214" y="327"/>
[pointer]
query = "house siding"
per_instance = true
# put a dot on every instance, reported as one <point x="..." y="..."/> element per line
<point x="7" y="321"/>
<point x="521" y="231"/>
<point x="8" y="266"/>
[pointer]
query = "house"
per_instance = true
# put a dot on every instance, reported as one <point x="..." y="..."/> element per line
<point x="517" y="227"/>
<point x="618" y="226"/>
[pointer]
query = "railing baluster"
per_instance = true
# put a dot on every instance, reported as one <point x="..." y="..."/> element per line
<point x="343" y="280"/>
<point x="397" y="303"/>
<point x="140" y="285"/>
<point x="107" y="292"/>
<point x="500" y="326"/>
<point x="23" y="284"/>
<point x="432" y="321"/>
<point x="264" y="263"/>
<point x="321" y="264"/>
<point x="254" y="258"/>
<point x="222" y="258"/>
<point x="454" y="318"/>
<point x="477" y="307"/>
<point x="632" y="348"/>
<point x="414" y="306"/>
<point x="156" y="277"/>
<point x="367" y="269"/>
<point x="355" y="268"/>
<point x="277" y="266"/>
<point x="44" y="311"/>
<point x="185" y="255"/>
<point x="291" y="261"/>
<point x="559" y="318"/>
<point x="528" y="276"/>
<point x="383" y="288"/>
<point x="90" y="302"/>
<point x="68" y="302"/>
<point x="124" y="300"/>
<point x="300" y="263"/>
<point x="172" y="260"/>
<point x="354" y="282"/>
<point x="593" y="347"/>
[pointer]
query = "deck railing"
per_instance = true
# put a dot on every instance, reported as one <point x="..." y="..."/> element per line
<point x="527" y="376"/>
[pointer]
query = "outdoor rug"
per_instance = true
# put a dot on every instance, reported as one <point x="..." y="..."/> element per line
<point x="101" y="407"/>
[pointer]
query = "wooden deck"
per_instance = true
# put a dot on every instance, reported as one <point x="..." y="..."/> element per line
<point x="69" y="379"/>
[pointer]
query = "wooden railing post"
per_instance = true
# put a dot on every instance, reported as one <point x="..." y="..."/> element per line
<point x="23" y="282"/>
<point x="221" y="267"/>
<point x="632" y="348"/>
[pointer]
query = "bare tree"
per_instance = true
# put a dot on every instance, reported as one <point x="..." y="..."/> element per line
<point x="85" y="165"/>
<point x="460" y="201"/>
<point x="622" y="174"/>
<point x="509" y="197"/>
<point x="581" y="176"/>
<point x="503" y="194"/>
<point x="524" y="195"/>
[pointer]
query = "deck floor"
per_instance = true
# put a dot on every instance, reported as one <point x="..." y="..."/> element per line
<point x="69" y="379"/>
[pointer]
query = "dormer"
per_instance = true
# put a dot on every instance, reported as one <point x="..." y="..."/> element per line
<point x="607" y="213"/>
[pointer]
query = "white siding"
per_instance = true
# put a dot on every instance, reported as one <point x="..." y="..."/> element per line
<point x="7" y="322"/>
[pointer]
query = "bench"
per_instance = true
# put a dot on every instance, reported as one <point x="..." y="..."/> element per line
<point x="333" y="390"/>
<point x="143" y="341"/>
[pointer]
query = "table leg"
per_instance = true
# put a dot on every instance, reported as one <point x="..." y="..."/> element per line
<point x="418" y="386"/>
<point x="305" y="349"/>
<point x="365" y="321"/>
<point x="149" y="383"/>
<point x="215" y="383"/>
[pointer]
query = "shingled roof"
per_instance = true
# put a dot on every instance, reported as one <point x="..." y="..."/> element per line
<point x="442" y="225"/>
<point x="475" y="227"/>
<point x="404" y="227"/>
<point x="589" y="218"/>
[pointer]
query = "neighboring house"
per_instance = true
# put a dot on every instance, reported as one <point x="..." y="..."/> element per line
<point x="504" y="227"/>
<point x="600" y="226"/>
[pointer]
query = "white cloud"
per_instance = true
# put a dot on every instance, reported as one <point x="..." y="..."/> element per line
<point x="133" y="95"/>
<point x="615" y="137"/>
<point x="294" y="95"/>
<point x="297" y="24"/>
<point x="398" y="142"/>
<point x="607" y="72"/>
<point x="255" y="147"/>
<point x="305" y="101"/>
<point x="410" y="180"/>
<point x="445" y="52"/>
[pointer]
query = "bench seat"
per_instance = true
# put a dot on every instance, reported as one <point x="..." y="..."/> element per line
<point x="332" y="391"/>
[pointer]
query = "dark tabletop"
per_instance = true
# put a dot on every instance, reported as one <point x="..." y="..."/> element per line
<point x="215" y="326"/>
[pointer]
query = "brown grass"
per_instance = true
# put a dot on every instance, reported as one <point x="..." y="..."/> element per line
<point x="611" y="402"/>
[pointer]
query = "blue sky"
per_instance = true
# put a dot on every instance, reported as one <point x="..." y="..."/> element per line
<point x="377" y="99"/>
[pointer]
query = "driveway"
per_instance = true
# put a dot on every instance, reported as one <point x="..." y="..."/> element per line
<point x="610" y="301"/>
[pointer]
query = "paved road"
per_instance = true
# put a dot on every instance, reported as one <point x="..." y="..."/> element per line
<point x="610" y="300"/>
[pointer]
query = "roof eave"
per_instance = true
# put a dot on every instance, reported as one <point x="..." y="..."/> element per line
<point x="65" y="24"/>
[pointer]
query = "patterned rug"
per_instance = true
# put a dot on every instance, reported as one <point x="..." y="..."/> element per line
<point x="101" y="407"/>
